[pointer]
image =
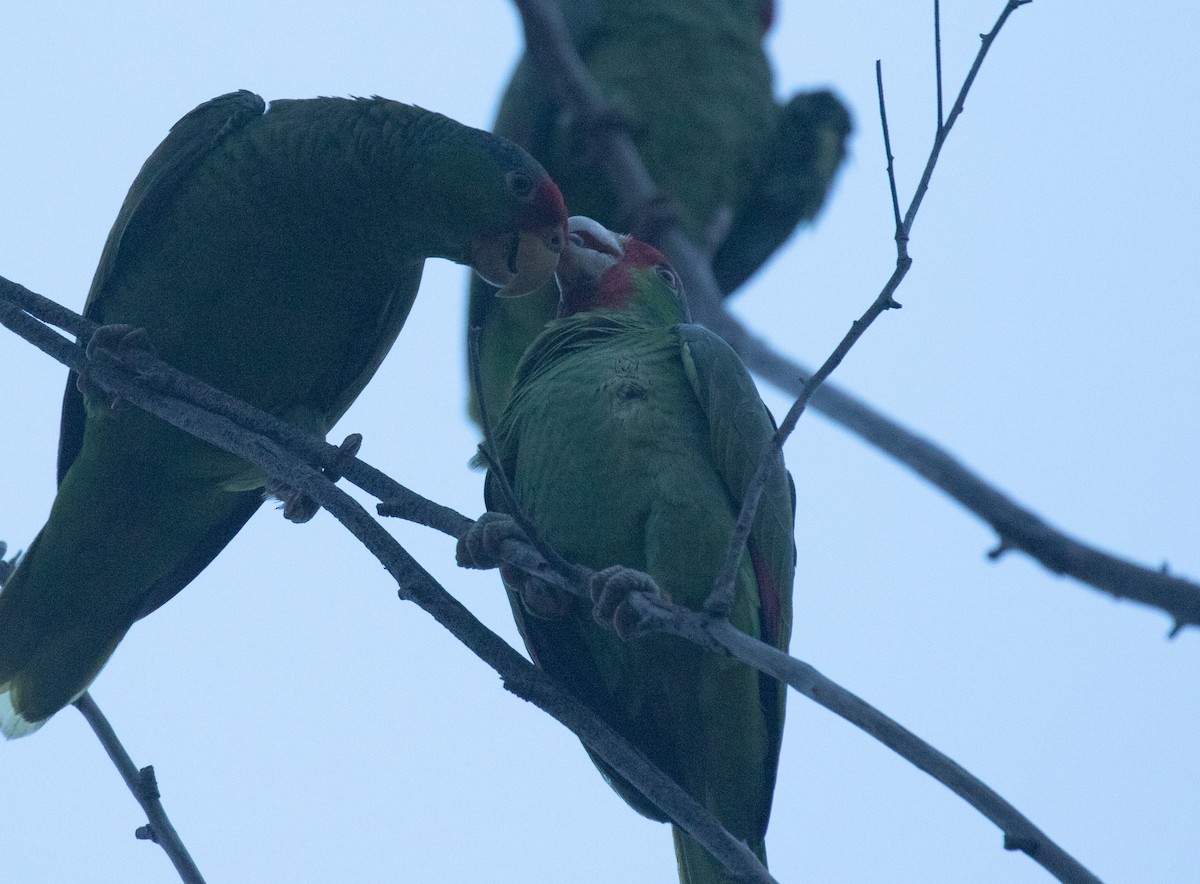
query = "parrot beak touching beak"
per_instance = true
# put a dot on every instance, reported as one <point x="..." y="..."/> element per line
<point x="519" y="261"/>
<point x="591" y="250"/>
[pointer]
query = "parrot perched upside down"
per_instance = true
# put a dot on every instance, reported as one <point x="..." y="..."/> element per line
<point x="629" y="441"/>
<point x="274" y="253"/>
<point x="691" y="80"/>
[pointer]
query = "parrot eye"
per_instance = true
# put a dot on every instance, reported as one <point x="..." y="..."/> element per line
<point x="667" y="275"/>
<point x="520" y="184"/>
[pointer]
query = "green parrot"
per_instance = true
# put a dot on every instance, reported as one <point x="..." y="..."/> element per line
<point x="691" y="80"/>
<point x="628" y="442"/>
<point x="274" y="253"/>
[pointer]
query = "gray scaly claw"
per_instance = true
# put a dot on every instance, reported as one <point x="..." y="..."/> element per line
<point x="299" y="507"/>
<point x="119" y="341"/>
<point x="479" y="548"/>
<point x="610" y="590"/>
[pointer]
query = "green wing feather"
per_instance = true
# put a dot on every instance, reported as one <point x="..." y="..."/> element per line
<point x="632" y="445"/>
<point x="274" y="254"/>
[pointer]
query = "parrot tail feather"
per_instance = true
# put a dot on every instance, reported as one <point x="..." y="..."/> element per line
<point x="698" y="866"/>
<point x="12" y="723"/>
<point x="49" y="654"/>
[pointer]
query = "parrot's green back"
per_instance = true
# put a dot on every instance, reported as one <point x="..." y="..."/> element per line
<point x="274" y="254"/>
<point x="630" y="442"/>
<point x="693" y="82"/>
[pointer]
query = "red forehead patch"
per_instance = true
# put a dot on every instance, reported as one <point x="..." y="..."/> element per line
<point x="616" y="285"/>
<point x="546" y="209"/>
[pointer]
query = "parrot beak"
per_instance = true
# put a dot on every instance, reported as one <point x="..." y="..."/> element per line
<point x="520" y="261"/>
<point x="591" y="250"/>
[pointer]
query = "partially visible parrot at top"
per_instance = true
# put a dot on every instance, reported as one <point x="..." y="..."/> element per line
<point x="629" y="441"/>
<point x="274" y="252"/>
<point x="692" y="81"/>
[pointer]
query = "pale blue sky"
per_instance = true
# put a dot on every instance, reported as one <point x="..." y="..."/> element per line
<point x="307" y="726"/>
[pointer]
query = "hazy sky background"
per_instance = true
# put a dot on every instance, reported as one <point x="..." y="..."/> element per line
<point x="307" y="726"/>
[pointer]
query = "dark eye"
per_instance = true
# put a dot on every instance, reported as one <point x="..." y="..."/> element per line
<point x="667" y="275"/>
<point x="520" y="184"/>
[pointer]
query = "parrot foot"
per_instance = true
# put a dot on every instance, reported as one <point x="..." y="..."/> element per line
<point x="610" y="590"/>
<point x="479" y="548"/>
<point x="120" y="341"/>
<point x="299" y="507"/>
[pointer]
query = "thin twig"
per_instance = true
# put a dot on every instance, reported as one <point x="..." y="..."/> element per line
<point x="937" y="57"/>
<point x="144" y="786"/>
<point x="943" y="131"/>
<point x="887" y="146"/>
<point x="299" y="468"/>
<point x="721" y="598"/>
<point x="1018" y="527"/>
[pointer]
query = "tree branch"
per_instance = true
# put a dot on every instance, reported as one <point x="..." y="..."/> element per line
<point x="721" y="599"/>
<point x="144" y="786"/>
<point x="1017" y="527"/>
<point x="142" y="783"/>
<point x="148" y="383"/>
<point x="296" y="459"/>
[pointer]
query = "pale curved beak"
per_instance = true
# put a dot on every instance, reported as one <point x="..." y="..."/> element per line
<point x="519" y="262"/>
<point x="591" y="250"/>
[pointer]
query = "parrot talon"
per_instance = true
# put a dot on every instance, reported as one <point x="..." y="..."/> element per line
<point x="347" y="451"/>
<point x="119" y="341"/>
<point x="479" y="547"/>
<point x="299" y="507"/>
<point x="610" y="590"/>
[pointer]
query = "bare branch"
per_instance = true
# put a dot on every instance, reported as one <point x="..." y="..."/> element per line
<point x="887" y="146"/>
<point x="1018" y="527"/>
<point x="141" y="381"/>
<point x="721" y="599"/>
<point x="937" y="59"/>
<point x="144" y="786"/>
<point x="296" y="459"/>
<point x="944" y="130"/>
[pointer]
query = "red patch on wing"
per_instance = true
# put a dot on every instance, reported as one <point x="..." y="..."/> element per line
<point x="616" y="285"/>
<point x="769" y="601"/>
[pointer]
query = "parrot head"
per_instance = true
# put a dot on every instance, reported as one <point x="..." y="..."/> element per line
<point x="602" y="270"/>
<point x="521" y="257"/>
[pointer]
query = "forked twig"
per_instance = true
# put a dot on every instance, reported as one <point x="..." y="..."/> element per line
<point x="721" y="598"/>
<point x="144" y="786"/>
